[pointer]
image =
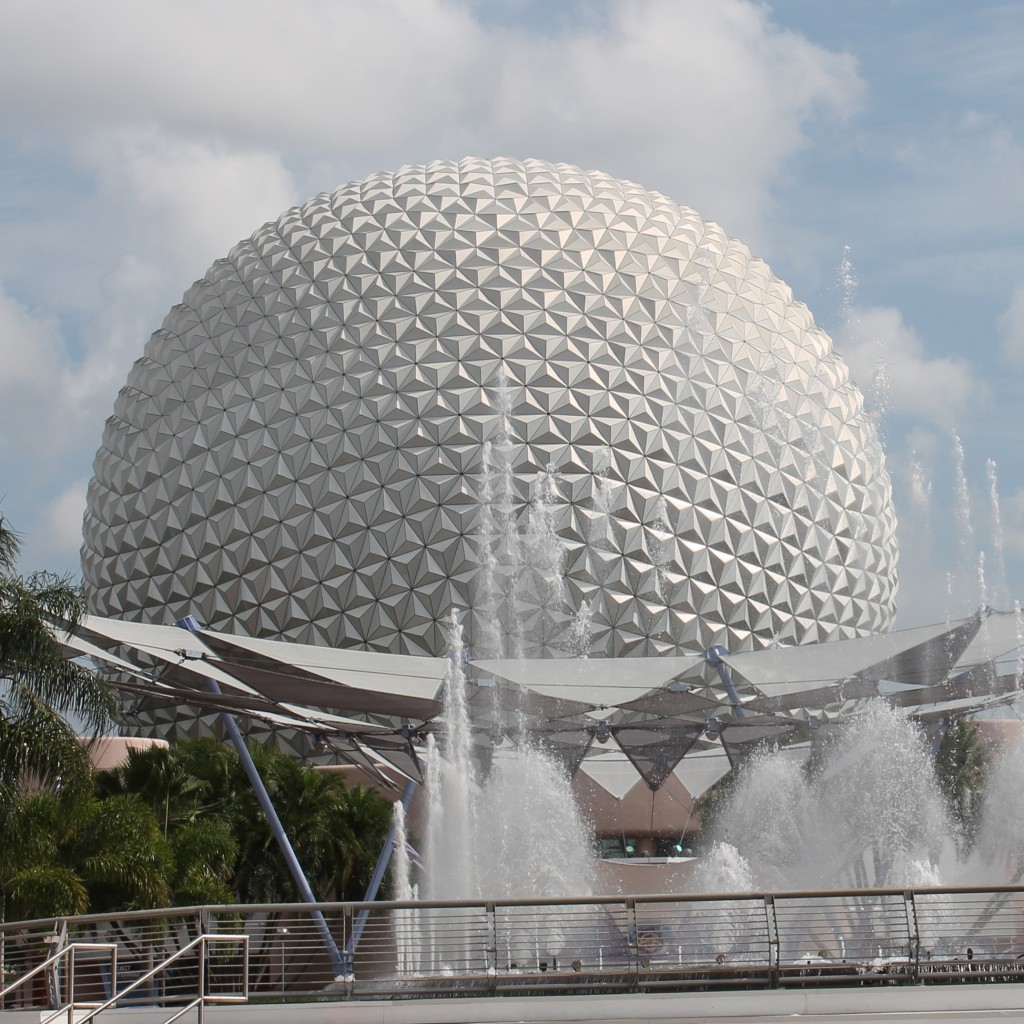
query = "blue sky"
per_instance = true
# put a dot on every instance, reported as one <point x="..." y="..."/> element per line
<point x="140" y="139"/>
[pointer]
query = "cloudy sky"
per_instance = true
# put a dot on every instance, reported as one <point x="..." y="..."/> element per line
<point x="872" y="152"/>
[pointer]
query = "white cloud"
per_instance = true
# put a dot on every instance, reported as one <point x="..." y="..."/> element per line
<point x="706" y="101"/>
<point x="1011" y="329"/>
<point x="161" y="211"/>
<point x="189" y="200"/>
<point x="63" y="519"/>
<point x="28" y="347"/>
<point x="174" y="206"/>
<point x="300" y="72"/>
<point x="110" y="261"/>
<point x="935" y="390"/>
<point x="31" y="354"/>
<point x="709" y="99"/>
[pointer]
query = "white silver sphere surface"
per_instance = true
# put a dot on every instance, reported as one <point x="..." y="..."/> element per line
<point x="300" y="452"/>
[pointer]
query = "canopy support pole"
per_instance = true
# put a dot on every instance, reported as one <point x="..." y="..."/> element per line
<point x="714" y="656"/>
<point x="191" y="624"/>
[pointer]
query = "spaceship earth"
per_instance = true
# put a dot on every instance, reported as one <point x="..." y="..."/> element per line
<point x="538" y="392"/>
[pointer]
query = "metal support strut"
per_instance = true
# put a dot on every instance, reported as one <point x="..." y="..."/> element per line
<point x="713" y="656"/>
<point x="228" y="720"/>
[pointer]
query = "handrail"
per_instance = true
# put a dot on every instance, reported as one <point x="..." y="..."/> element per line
<point x="550" y="901"/>
<point x="64" y="951"/>
<point x="199" y="1002"/>
<point x="601" y="943"/>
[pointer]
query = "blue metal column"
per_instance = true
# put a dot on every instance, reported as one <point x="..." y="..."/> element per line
<point x="337" y="963"/>
<point x="713" y="656"/>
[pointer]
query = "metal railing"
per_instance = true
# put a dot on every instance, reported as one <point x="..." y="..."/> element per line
<point x="230" y="980"/>
<point x="591" y="944"/>
<point x="203" y="996"/>
<point x="61" y="962"/>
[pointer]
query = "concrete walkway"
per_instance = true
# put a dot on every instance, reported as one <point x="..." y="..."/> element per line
<point x="962" y="1004"/>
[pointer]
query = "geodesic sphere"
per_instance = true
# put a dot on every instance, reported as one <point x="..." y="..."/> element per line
<point x="335" y="435"/>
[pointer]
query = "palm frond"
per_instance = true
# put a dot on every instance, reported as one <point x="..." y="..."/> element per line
<point x="46" y="891"/>
<point x="10" y="545"/>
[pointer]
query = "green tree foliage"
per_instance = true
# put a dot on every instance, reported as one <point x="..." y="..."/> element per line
<point x="182" y="826"/>
<point x="97" y="855"/>
<point x="39" y="687"/>
<point x="200" y="793"/>
<point x="337" y="832"/>
<point x="33" y="882"/>
<point x="961" y="764"/>
<point x="122" y="858"/>
<point x="179" y="826"/>
<point x="44" y="770"/>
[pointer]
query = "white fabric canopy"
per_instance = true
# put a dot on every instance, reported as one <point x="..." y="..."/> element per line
<point x="600" y="682"/>
<point x="397" y="674"/>
<point x="368" y="705"/>
<point x="793" y="669"/>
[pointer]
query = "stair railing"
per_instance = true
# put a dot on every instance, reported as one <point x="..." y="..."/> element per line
<point x="65" y="953"/>
<point x="199" y="1003"/>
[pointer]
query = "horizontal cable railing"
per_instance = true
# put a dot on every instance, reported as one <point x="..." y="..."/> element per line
<point x="195" y="957"/>
<point x="59" y="964"/>
<point x="586" y="944"/>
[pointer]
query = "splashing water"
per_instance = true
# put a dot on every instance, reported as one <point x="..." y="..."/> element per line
<point x="869" y="814"/>
<point x="881" y="392"/>
<point x="499" y="630"/>
<point x="722" y="869"/>
<point x="400" y="865"/>
<point x="541" y="848"/>
<point x="998" y="853"/>
<point x="540" y="595"/>
<point x="600" y="532"/>
<point x="488" y="581"/>
<point x="659" y="542"/>
<point x="451" y="796"/>
<point x="582" y="629"/>
<point x="920" y="492"/>
<point x="406" y="924"/>
<point x="962" y="508"/>
<point x="847" y="284"/>
<point x="1018" y="617"/>
<point x="999" y="588"/>
<point x="519" y="833"/>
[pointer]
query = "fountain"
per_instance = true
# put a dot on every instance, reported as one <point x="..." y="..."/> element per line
<point x="514" y="832"/>
<point x="866" y="812"/>
<point x="857" y="807"/>
<point x="494" y="836"/>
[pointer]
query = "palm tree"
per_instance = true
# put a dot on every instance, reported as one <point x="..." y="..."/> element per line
<point x="336" y="832"/>
<point x="204" y="850"/>
<point x="162" y="779"/>
<point x="369" y="820"/>
<point x="40" y="688"/>
<point x="45" y="773"/>
<point x="190" y="813"/>
<point x="33" y="883"/>
<point x="104" y="855"/>
<point x="199" y="789"/>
